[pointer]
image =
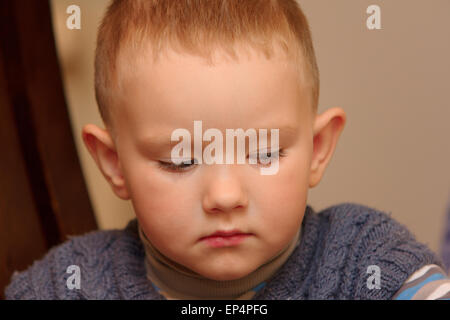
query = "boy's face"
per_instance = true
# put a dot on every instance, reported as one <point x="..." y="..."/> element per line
<point x="177" y="209"/>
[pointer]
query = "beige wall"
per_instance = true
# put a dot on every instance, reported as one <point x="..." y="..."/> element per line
<point x="394" y="84"/>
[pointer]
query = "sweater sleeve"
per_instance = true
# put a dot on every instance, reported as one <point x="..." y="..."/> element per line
<point x="391" y="247"/>
<point x="34" y="283"/>
<point x="49" y="277"/>
<point x="370" y="253"/>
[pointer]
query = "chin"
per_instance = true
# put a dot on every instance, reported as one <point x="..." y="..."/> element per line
<point x="227" y="274"/>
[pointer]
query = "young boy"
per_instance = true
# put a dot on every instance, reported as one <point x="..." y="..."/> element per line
<point x="208" y="229"/>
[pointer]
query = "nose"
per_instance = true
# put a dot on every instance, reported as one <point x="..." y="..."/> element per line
<point x="225" y="191"/>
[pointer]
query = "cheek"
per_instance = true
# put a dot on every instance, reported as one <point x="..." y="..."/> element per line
<point x="161" y="207"/>
<point x="282" y="199"/>
<point x="165" y="219"/>
<point x="290" y="185"/>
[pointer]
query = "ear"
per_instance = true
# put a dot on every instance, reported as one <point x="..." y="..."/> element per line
<point x="102" y="149"/>
<point x="327" y="129"/>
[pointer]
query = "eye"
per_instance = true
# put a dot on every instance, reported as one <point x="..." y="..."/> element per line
<point x="178" y="168"/>
<point x="266" y="155"/>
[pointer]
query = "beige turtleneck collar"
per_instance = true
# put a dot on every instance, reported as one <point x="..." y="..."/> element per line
<point x="178" y="282"/>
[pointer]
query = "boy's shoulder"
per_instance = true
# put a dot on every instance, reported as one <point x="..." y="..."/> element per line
<point x="83" y="267"/>
<point x="355" y="212"/>
<point x="372" y="233"/>
<point x="355" y="219"/>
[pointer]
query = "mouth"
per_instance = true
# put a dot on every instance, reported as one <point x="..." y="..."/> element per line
<point x="223" y="238"/>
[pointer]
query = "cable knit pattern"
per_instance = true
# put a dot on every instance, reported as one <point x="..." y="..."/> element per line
<point x="337" y="246"/>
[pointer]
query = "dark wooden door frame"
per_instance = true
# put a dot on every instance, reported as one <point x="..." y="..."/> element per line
<point x="43" y="195"/>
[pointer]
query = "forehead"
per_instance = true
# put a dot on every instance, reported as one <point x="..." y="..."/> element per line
<point x="251" y="92"/>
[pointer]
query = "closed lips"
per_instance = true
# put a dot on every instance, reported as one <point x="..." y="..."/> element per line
<point x="225" y="234"/>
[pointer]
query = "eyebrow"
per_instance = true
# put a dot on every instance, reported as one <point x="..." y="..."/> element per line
<point x="162" y="142"/>
<point x="157" y="142"/>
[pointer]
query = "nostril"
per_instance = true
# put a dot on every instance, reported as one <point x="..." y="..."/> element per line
<point x="223" y="209"/>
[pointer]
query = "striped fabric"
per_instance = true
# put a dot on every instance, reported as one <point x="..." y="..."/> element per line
<point x="428" y="283"/>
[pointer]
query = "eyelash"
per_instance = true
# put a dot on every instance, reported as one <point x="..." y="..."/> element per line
<point x="184" y="166"/>
<point x="180" y="168"/>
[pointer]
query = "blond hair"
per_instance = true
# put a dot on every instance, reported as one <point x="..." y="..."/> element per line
<point x="198" y="27"/>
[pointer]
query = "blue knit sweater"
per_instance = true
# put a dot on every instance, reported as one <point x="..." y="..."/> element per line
<point x="337" y="246"/>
